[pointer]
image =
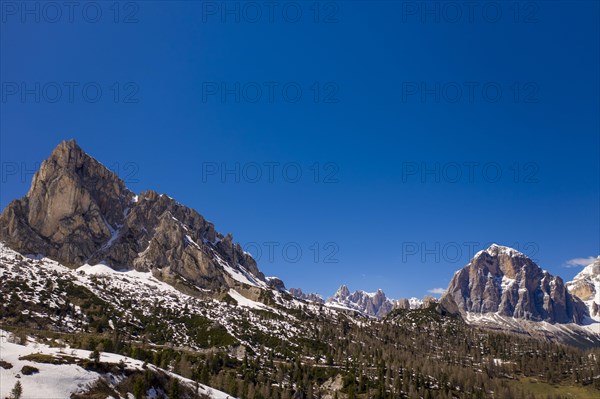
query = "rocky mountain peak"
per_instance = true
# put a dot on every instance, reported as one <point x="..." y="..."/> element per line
<point x="68" y="154"/>
<point x="586" y="286"/>
<point x="504" y="281"/>
<point x="496" y="249"/>
<point x="342" y="292"/>
<point x="72" y="208"/>
<point x="592" y="270"/>
<point x="312" y="297"/>
<point x="504" y="261"/>
<point x="77" y="211"/>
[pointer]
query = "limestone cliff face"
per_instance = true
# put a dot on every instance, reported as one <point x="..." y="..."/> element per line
<point x="72" y="207"/>
<point x="77" y="211"/>
<point x="504" y="281"/>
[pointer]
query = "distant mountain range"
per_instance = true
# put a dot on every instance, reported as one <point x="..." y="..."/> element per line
<point x="374" y="304"/>
<point x="79" y="212"/>
<point x="498" y="280"/>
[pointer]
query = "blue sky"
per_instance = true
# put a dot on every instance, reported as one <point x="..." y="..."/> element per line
<point x="385" y="142"/>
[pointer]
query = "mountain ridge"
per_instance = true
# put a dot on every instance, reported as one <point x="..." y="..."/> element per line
<point x="373" y="304"/>
<point x="77" y="212"/>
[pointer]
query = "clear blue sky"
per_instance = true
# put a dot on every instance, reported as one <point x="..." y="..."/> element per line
<point x="375" y="126"/>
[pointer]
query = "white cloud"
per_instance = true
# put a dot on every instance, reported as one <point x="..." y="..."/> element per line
<point x="437" y="291"/>
<point x="580" y="262"/>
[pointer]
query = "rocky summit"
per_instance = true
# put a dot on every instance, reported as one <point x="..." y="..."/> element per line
<point x="78" y="212"/>
<point x="312" y="297"/>
<point x="504" y="281"/>
<point x="374" y="304"/>
<point x="586" y="286"/>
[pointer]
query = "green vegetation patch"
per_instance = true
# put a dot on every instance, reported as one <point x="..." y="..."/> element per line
<point x="207" y="334"/>
<point x="29" y="370"/>
<point x="5" y="365"/>
<point x="49" y="359"/>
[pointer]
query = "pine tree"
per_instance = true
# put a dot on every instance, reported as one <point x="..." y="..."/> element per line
<point x="95" y="356"/>
<point x="139" y="388"/>
<point x="174" y="390"/>
<point x="17" y="391"/>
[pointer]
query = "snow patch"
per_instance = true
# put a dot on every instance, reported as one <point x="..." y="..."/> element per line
<point x="63" y="380"/>
<point x="243" y="301"/>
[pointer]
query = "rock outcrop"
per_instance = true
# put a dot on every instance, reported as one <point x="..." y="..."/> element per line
<point x="410" y="303"/>
<point x="298" y="293"/>
<point x="71" y="210"/>
<point x="586" y="286"/>
<point x="504" y="281"/>
<point x="77" y="211"/>
<point x="276" y="283"/>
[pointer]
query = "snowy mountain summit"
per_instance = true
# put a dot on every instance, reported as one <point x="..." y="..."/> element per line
<point x="503" y="281"/>
<point x="586" y="286"/>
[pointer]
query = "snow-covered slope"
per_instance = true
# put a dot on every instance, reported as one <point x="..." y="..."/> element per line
<point x="53" y="295"/>
<point x="587" y="335"/>
<point x="72" y="376"/>
<point x="586" y="286"/>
